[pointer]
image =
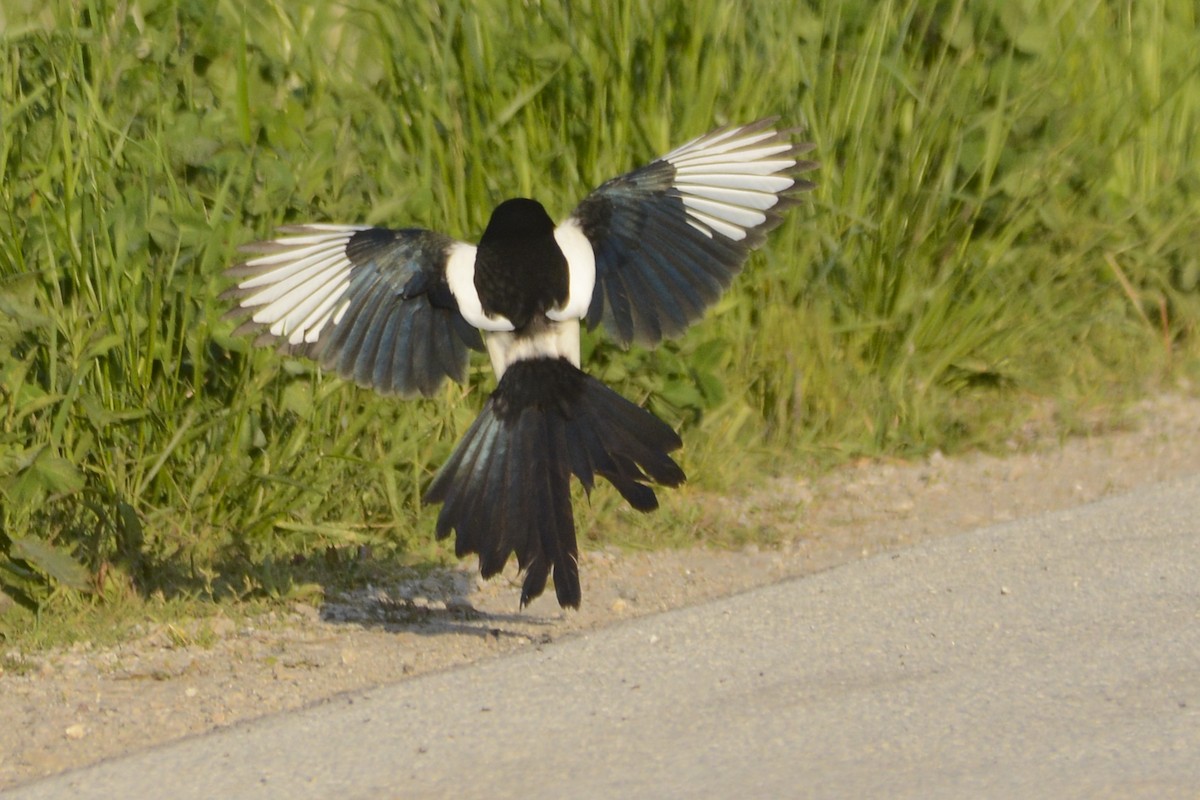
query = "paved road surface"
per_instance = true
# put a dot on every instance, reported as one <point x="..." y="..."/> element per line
<point x="1053" y="657"/>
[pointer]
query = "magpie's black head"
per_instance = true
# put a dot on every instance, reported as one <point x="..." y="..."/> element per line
<point x="519" y="218"/>
<point x="520" y="271"/>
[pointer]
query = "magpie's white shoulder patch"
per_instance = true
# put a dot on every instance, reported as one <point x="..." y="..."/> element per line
<point x="581" y="267"/>
<point x="295" y="287"/>
<point x="460" y="276"/>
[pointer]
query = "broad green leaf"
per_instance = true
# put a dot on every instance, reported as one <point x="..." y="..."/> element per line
<point x="52" y="561"/>
<point x="57" y="474"/>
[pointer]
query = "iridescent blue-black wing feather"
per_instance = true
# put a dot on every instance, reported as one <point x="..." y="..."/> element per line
<point x="669" y="237"/>
<point x="371" y="304"/>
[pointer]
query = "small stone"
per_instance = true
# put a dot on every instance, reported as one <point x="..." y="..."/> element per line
<point x="460" y="605"/>
<point x="222" y="627"/>
<point x="305" y="611"/>
<point x="619" y="606"/>
<point x="75" y="731"/>
<point x="191" y="691"/>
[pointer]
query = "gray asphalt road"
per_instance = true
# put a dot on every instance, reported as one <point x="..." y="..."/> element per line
<point x="1052" y="657"/>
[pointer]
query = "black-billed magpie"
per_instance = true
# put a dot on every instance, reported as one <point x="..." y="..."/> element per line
<point x="397" y="310"/>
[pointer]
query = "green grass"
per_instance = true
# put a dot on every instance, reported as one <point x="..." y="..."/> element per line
<point x="1007" y="219"/>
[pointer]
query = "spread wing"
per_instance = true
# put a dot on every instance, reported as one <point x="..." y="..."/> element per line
<point x="669" y="237"/>
<point x="371" y="304"/>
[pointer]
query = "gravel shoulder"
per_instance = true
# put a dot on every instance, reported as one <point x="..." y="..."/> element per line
<point x="68" y="708"/>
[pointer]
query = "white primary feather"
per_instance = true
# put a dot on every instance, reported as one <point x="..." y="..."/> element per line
<point x="300" y="281"/>
<point x="767" y="167"/>
<point x="767" y="184"/>
<point x="727" y="180"/>
<point x="745" y="198"/>
<point x="738" y="215"/>
<point x="279" y="301"/>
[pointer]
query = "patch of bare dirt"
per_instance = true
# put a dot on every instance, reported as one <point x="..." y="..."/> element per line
<point x="68" y="708"/>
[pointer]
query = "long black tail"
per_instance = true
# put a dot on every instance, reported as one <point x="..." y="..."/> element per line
<point x="506" y="487"/>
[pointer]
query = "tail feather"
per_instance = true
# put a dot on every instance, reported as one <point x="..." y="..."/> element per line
<point x="506" y="487"/>
<point x="554" y="521"/>
<point x="473" y="457"/>
<point x="625" y="444"/>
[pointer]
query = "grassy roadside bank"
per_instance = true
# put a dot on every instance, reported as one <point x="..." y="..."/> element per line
<point x="1006" y="219"/>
